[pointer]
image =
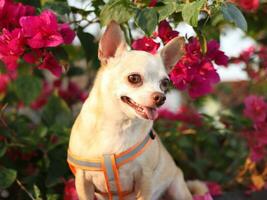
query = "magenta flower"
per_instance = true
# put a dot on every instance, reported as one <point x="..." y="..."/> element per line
<point x="165" y="32"/>
<point x="213" y="53"/>
<point x="50" y="63"/>
<point x="255" y="108"/>
<point x="206" y="196"/>
<point x="11" y="48"/>
<point x="66" y="32"/>
<point x="146" y="44"/>
<point x="11" y="12"/>
<point x="70" y="190"/>
<point x="214" y="188"/>
<point x="195" y="71"/>
<point x="41" y="31"/>
<point x="4" y="80"/>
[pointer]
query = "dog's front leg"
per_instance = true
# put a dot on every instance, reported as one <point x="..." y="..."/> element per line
<point x="143" y="186"/>
<point x="84" y="186"/>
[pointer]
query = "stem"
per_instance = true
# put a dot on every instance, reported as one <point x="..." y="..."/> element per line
<point x="24" y="189"/>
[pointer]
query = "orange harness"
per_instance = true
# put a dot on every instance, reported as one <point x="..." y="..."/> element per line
<point x="110" y="164"/>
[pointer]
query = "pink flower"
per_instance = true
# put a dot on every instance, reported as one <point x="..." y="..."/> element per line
<point x="71" y="92"/>
<point x="214" y="188"/>
<point x="42" y="99"/>
<point x="207" y="196"/>
<point x="213" y="53"/>
<point x="152" y="3"/>
<point x="165" y="32"/>
<point x="11" y="12"/>
<point x="249" y="5"/>
<point x="4" y="80"/>
<point x="195" y="71"/>
<point x="255" y="108"/>
<point x="66" y="32"/>
<point x="11" y="48"/>
<point x="41" y="31"/>
<point x="70" y="190"/>
<point x="184" y="114"/>
<point x="50" y="63"/>
<point x="146" y="44"/>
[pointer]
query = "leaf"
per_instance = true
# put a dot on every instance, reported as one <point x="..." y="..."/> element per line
<point x="61" y="8"/>
<point x="168" y="8"/>
<point x="191" y="11"/>
<point x="56" y="113"/>
<point x="147" y="20"/>
<point x="3" y="148"/>
<point x="89" y="46"/>
<point x="7" y="177"/>
<point x="27" y="88"/>
<point x="118" y="10"/>
<point x="37" y="193"/>
<point x="75" y="71"/>
<point x="233" y="14"/>
<point x="258" y="181"/>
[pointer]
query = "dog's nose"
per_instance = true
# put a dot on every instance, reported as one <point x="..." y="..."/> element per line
<point x="158" y="98"/>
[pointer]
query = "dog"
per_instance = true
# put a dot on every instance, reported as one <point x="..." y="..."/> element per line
<point x="118" y="117"/>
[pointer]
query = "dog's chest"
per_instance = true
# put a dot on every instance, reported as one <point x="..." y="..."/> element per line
<point x="126" y="177"/>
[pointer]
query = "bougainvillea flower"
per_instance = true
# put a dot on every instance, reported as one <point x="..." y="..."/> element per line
<point x="41" y="31"/>
<point x="11" y="12"/>
<point x="214" y="188"/>
<point x="255" y="108"/>
<point x="70" y="190"/>
<point x="50" y="63"/>
<point x="146" y="44"/>
<point x="67" y="33"/>
<point x="195" y="70"/>
<point x="11" y="47"/>
<point x="152" y="3"/>
<point x="165" y="32"/>
<point x="206" y="196"/>
<point x="42" y="99"/>
<point x="249" y="5"/>
<point x="184" y="114"/>
<point x="4" y="80"/>
<point x="213" y="53"/>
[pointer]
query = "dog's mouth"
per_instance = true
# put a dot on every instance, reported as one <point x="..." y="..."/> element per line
<point x="143" y="111"/>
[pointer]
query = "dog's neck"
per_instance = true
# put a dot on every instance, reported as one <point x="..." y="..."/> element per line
<point x="103" y="128"/>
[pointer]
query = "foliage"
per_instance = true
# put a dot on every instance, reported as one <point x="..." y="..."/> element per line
<point x="45" y="78"/>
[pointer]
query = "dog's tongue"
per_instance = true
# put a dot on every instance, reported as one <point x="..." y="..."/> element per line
<point x="151" y="113"/>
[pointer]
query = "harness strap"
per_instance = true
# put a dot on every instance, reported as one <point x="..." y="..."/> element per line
<point x="110" y="164"/>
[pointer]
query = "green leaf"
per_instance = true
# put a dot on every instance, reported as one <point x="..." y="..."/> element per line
<point x="37" y="193"/>
<point x="118" y="10"/>
<point x="233" y="14"/>
<point x="191" y="11"/>
<point x="7" y="177"/>
<point x="27" y="88"/>
<point x="3" y="148"/>
<point x="89" y="46"/>
<point x="59" y="7"/>
<point x="75" y="71"/>
<point x="147" y="20"/>
<point x="168" y="8"/>
<point x="56" y="113"/>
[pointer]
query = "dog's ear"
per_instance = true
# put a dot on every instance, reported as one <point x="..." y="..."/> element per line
<point x="112" y="43"/>
<point x="172" y="52"/>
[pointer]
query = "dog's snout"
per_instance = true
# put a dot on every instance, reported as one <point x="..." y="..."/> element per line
<point x="158" y="98"/>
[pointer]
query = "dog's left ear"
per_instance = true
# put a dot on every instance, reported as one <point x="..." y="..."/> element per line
<point x="172" y="52"/>
<point x="112" y="43"/>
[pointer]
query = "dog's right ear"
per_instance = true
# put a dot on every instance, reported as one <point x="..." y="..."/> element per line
<point x="112" y="43"/>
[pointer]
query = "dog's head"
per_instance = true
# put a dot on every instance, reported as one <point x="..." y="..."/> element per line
<point x="137" y="80"/>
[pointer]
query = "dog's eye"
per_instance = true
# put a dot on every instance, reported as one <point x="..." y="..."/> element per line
<point x="135" y="79"/>
<point x="164" y="84"/>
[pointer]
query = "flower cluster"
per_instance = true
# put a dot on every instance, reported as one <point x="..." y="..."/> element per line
<point x="195" y="71"/>
<point x="69" y="91"/>
<point x="27" y="35"/>
<point x="256" y="111"/>
<point x="247" y="5"/>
